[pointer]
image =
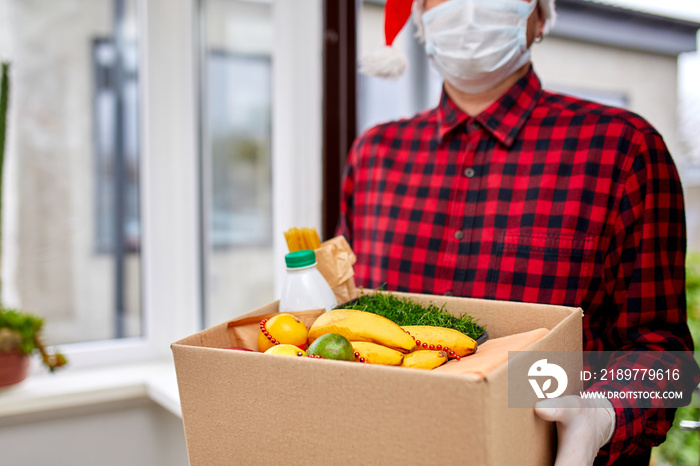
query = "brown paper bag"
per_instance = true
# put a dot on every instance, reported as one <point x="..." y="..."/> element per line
<point x="243" y="333"/>
<point x="335" y="262"/>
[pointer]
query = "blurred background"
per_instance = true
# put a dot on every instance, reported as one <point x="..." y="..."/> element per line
<point x="156" y="151"/>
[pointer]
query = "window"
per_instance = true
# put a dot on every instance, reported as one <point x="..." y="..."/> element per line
<point x="188" y="128"/>
<point x="238" y="112"/>
<point x="71" y="243"/>
<point x="236" y="133"/>
<point x="116" y="151"/>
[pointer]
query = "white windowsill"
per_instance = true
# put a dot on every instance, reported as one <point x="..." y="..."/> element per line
<point x="71" y="389"/>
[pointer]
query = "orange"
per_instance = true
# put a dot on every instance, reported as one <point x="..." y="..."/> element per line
<point x="282" y="328"/>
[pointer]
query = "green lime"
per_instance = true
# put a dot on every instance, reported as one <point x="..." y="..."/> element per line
<point x="332" y="346"/>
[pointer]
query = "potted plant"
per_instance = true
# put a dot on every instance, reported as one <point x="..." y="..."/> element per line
<point x="20" y="337"/>
<point x="20" y="333"/>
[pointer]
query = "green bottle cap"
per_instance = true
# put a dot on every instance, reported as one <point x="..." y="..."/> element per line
<point x="298" y="259"/>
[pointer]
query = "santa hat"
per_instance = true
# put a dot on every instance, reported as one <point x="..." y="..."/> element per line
<point x="390" y="62"/>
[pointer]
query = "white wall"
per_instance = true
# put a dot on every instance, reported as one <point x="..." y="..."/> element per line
<point x="648" y="81"/>
<point x="134" y="433"/>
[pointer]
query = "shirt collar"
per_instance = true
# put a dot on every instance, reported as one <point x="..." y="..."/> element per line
<point x="504" y="118"/>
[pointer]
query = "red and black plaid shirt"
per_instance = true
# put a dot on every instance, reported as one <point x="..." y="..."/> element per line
<point x="540" y="198"/>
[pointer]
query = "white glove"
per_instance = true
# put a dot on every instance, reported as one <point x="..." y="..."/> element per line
<point x="583" y="427"/>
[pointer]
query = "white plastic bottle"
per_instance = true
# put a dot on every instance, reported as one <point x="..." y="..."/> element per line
<point x="304" y="287"/>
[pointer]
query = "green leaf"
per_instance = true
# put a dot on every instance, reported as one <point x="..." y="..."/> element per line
<point x="405" y="311"/>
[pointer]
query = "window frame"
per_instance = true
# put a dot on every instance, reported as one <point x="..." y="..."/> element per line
<point x="340" y="94"/>
<point x="172" y="254"/>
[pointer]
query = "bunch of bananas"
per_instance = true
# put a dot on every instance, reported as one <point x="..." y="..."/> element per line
<point x="378" y="340"/>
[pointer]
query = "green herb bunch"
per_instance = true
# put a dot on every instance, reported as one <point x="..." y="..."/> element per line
<point x="21" y="332"/>
<point x="405" y="311"/>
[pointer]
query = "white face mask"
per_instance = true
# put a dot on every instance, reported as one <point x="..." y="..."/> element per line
<point x="477" y="44"/>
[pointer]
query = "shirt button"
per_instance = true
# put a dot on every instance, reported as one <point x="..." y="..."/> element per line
<point x="469" y="172"/>
<point x="459" y="234"/>
<point x="474" y="125"/>
<point x="448" y="293"/>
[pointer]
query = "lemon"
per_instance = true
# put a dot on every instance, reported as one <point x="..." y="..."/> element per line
<point x="286" y="350"/>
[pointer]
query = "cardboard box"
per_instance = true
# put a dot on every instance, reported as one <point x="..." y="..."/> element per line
<point x="249" y="408"/>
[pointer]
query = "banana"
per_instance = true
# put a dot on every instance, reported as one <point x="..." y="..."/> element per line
<point x="455" y="340"/>
<point x="425" y="359"/>
<point x="362" y="326"/>
<point x="377" y="354"/>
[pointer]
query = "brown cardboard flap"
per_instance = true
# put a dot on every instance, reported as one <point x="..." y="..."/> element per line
<point x="492" y="354"/>
<point x="243" y="332"/>
<point x="213" y="337"/>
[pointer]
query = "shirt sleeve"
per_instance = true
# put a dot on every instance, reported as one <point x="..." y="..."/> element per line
<point x="645" y="279"/>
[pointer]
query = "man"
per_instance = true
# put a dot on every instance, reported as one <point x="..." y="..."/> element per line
<point x="506" y="191"/>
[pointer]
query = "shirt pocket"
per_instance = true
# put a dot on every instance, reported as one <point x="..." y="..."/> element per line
<point x="541" y="267"/>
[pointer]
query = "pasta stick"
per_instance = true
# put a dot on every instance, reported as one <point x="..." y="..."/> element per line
<point x="313" y="238"/>
<point x="302" y="238"/>
<point x="291" y="236"/>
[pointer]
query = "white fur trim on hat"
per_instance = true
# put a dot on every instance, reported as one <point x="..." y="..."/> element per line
<point x="386" y="62"/>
